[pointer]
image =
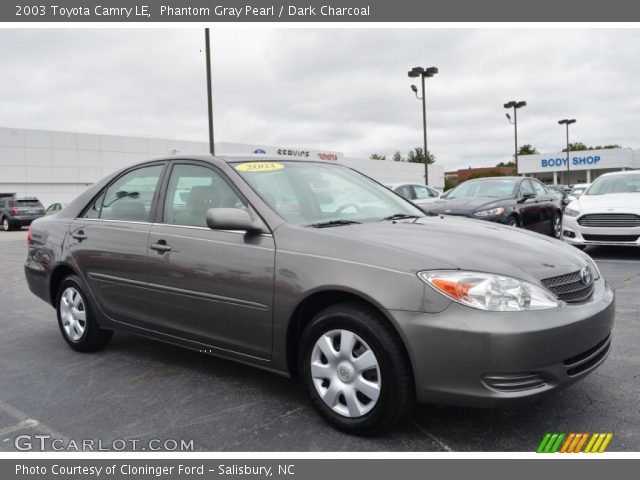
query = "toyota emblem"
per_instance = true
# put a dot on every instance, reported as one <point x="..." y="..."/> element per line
<point x="585" y="276"/>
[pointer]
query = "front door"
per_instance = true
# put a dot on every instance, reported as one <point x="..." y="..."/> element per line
<point x="213" y="287"/>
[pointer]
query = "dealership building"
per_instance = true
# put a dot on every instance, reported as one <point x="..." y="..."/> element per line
<point x="584" y="166"/>
<point x="57" y="166"/>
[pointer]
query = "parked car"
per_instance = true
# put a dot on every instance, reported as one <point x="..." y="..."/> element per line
<point x="515" y="201"/>
<point x="19" y="212"/>
<point x="562" y="191"/>
<point x="576" y="191"/>
<point x="372" y="304"/>
<point x="54" y="208"/>
<point x="607" y="213"/>
<point x="416" y="193"/>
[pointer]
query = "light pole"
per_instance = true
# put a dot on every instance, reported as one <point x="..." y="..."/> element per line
<point x="567" y="122"/>
<point x="515" y="105"/>
<point x="207" y="52"/>
<point x="423" y="73"/>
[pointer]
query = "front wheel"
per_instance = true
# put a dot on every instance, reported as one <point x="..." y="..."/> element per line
<point x="355" y="370"/>
<point x="77" y="324"/>
<point x="6" y="225"/>
<point x="513" y="221"/>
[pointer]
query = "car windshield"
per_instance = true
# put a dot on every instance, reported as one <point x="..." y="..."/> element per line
<point x="615" y="184"/>
<point x="319" y="194"/>
<point x="485" y="188"/>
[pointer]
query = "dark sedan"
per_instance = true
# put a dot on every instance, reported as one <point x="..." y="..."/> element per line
<point x="314" y="270"/>
<point x="515" y="201"/>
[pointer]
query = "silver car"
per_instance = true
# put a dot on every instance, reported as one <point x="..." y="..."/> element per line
<point x="313" y="270"/>
<point x="414" y="192"/>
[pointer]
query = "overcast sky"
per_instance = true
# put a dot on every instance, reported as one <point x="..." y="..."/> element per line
<point x="336" y="89"/>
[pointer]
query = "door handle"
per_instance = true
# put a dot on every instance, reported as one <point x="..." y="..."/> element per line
<point x="160" y="247"/>
<point x="79" y="235"/>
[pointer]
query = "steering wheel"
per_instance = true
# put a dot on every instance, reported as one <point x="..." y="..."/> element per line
<point x="347" y="205"/>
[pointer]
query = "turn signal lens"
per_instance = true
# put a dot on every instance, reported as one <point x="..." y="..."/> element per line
<point x="29" y="237"/>
<point x="486" y="291"/>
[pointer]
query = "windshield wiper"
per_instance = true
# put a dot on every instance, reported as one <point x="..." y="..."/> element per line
<point x="332" y="223"/>
<point x="400" y="216"/>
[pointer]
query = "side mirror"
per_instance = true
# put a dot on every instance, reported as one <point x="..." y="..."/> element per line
<point x="232" y="219"/>
<point x="527" y="196"/>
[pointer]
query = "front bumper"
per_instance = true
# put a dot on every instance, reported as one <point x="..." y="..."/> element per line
<point x="469" y="357"/>
<point x="574" y="234"/>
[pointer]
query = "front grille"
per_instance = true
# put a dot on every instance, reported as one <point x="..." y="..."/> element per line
<point x="611" y="238"/>
<point x="613" y="220"/>
<point x="510" y="382"/>
<point x="569" y="287"/>
<point x="589" y="358"/>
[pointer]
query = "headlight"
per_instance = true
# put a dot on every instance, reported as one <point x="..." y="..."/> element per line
<point x="488" y="213"/>
<point x="486" y="291"/>
<point x="570" y="212"/>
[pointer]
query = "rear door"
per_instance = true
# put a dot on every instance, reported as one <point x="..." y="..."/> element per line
<point x="547" y="210"/>
<point x="109" y="243"/>
<point x="209" y="286"/>
<point x="529" y="209"/>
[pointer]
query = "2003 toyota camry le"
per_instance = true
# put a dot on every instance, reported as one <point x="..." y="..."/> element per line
<point x="314" y="270"/>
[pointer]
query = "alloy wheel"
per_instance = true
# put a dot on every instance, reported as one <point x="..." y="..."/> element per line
<point x="73" y="314"/>
<point x="557" y="227"/>
<point x="346" y="373"/>
<point x="5" y="225"/>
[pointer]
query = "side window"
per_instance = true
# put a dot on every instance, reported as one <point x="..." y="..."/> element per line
<point x="193" y="190"/>
<point x="421" y="192"/>
<point x="129" y="198"/>
<point x="539" y="188"/>
<point x="404" y="191"/>
<point x="526" y="188"/>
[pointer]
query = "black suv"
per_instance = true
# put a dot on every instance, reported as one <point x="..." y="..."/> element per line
<point x="19" y="212"/>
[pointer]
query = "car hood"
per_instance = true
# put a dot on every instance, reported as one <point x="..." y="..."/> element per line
<point x="620" y="202"/>
<point x="464" y="206"/>
<point x="443" y="242"/>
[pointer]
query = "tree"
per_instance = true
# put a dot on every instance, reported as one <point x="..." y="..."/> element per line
<point x="397" y="157"/>
<point x="376" y="156"/>
<point x="417" y="156"/>
<point x="527" y="149"/>
<point x="511" y="164"/>
<point x="579" y="146"/>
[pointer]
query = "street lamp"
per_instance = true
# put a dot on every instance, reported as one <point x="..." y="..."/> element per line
<point x="207" y="53"/>
<point x="423" y="73"/>
<point x="567" y="122"/>
<point x="515" y="105"/>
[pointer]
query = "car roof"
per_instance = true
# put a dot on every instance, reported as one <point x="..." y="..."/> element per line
<point x="621" y="172"/>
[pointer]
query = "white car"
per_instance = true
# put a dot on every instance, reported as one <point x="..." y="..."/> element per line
<point x="576" y="191"/>
<point x="608" y="213"/>
<point x="414" y="192"/>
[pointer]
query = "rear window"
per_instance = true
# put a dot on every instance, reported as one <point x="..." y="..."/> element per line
<point x="28" y="203"/>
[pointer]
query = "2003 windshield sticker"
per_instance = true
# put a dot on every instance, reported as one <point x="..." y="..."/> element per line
<point x="259" y="167"/>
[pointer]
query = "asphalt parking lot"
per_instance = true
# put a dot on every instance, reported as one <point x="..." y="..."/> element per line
<point x="141" y="389"/>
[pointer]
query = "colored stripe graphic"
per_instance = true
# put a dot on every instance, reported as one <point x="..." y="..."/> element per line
<point x="553" y="442"/>
<point x="550" y="443"/>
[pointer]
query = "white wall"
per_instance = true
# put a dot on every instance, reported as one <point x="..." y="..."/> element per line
<point x="57" y="166"/>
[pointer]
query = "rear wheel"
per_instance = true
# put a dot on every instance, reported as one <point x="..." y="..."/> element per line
<point x="6" y="225"/>
<point x="556" y="226"/>
<point x="77" y="325"/>
<point x="355" y="370"/>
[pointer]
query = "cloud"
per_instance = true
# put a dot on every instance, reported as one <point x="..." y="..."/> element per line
<point x="339" y="89"/>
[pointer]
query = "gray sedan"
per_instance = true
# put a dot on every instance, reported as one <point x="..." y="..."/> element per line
<point x="313" y="270"/>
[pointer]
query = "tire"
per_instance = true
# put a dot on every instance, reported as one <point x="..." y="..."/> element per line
<point x="7" y="226"/>
<point x="556" y="226"/>
<point x="77" y="324"/>
<point x="351" y="406"/>
<point x="513" y="222"/>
